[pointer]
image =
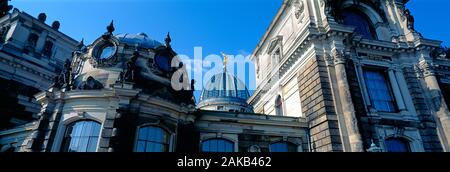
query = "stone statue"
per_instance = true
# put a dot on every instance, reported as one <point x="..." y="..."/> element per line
<point x="67" y="73"/>
<point x="64" y="79"/>
<point x="90" y="84"/>
<point x="130" y="74"/>
<point x="410" y="19"/>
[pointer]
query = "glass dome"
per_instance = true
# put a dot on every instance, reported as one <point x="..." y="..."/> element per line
<point x="225" y="92"/>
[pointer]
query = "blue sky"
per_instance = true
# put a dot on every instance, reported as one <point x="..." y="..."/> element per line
<point x="230" y="26"/>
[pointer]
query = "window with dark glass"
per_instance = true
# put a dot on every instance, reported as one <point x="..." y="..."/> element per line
<point x="360" y="21"/>
<point x="379" y="90"/>
<point x="32" y="40"/>
<point x="217" y="145"/>
<point x="283" y="147"/>
<point x="81" y="136"/>
<point x="279" y="106"/>
<point x="152" y="139"/>
<point x="397" y="145"/>
<point x="47" y="50"/>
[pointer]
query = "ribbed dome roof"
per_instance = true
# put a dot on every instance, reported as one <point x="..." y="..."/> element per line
<point x="140" y="39"/>
<point x="225" y="92"/>
<point x="225" y="85"/>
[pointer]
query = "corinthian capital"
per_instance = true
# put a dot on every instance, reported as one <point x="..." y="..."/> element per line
<point x="427" y="68"/>
<point x="340" y="56"/>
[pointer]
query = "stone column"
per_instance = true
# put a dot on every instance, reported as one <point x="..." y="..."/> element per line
<point x="442" y="112"/>
<point x="348" y="108"/>
<point x="396" y="90"/>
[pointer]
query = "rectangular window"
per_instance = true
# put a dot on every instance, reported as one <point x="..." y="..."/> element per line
<point x="379" y="90"/>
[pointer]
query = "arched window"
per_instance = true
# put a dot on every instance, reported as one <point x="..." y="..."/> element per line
<point x="152" y="139"/>
<point x="81" y="136"/>
<point x="397" y="145"/>
<point x="279" y="106"/>
<point x="360" y="21"/>
<point x="283" y="147"/>
<point x="217" y="145"/>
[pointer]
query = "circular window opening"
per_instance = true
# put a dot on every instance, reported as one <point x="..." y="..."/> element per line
<point x="107" y="51"/>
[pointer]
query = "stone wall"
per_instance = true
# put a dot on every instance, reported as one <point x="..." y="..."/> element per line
<point x="318" y="106"/>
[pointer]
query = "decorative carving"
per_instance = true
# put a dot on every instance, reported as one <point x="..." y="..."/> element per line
<point x="299" y="9"/>
<point x="439" y="53"/>
<point x="399" y="131"/>
<point x="374" y="147"/>
<point x="339" y="56"/>
<point x="329" y="60"/>
<point x="427" y="68"/>
<point x="90" y="84"/>
<point x="254" y="148"/>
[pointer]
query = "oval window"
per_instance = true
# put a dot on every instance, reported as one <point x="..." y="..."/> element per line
<point x="107" y="52"/>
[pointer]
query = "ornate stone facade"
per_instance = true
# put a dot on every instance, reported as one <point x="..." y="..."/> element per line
<point x="335" y="56"/>
<point x="332" y="76"/>
<point x="32" y="53"/>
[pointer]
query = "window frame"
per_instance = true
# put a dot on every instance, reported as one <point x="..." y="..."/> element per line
<point x="406" y="142"/>
<point x="383" y="71"/>
<point x="233" y="144"/>
<point x="66" y="140"/>
<point x="285" y="142"/>
<point x="165" y="131"/>
<point x="357" y="12"/>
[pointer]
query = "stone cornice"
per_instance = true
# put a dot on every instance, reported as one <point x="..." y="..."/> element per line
<point x="16" y="63"/>
<point x="246" y="118"/>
